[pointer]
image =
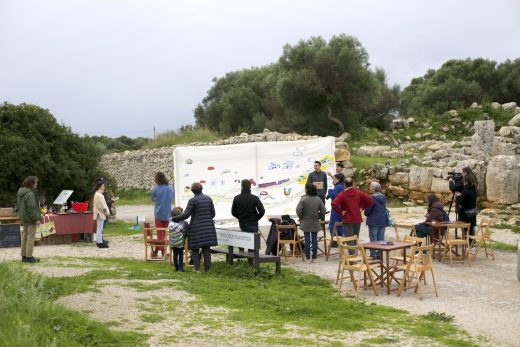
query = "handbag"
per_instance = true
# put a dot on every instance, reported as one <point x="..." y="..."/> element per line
<point x="471" y="212"/>
<point x="46" y="228"/>
<point x="389" y="222"/>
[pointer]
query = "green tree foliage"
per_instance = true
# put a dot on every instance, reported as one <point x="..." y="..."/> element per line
<point x="316" y="87"/>
<point x="458" y="83"/>
<point x="119" y="144"/>
<point x="33" y="143"/>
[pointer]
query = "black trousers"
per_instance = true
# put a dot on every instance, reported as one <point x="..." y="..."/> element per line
<point x="206" y="253"/>
<point x="178" y="255"/>
<point x="249" y="229"/>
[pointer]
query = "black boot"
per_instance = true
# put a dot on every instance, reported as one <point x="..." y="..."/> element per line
<point x="102" y="245"/>
<point x="23" y="258"/>
<point x="31" y="260"/>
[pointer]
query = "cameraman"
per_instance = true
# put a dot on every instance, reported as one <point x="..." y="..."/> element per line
<point x="465" y="191"/>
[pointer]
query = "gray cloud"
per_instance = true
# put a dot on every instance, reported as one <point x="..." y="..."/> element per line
<point x="123" y="67"/>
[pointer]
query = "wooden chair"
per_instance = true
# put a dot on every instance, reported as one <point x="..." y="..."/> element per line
<point x="356" y="262"/>
<point x="482" y="237"/>
<point x="325" y="239"/>
<point x="295" y="241"/>
<point x="399" y="256"/>
<point x="344" y="241"/>
<point x="151" y="242"/>
<point x="334" y="237"/>
<point x="406" y="229"/>
<point x="452" y="243"/>
<point x="416" y="268"/>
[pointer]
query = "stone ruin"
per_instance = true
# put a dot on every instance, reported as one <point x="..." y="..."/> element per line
<point x="493" y="156"/>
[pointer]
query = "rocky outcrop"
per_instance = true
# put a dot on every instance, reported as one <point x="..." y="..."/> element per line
<point x="502" y="180"/>
<point x="482" y="140"/>
<point x="420" y="178"/>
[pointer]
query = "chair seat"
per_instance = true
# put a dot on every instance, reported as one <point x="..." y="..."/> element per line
<point x="355" y="267"/>
<point x="156" y="242"/>
<point x="457" y="242"/>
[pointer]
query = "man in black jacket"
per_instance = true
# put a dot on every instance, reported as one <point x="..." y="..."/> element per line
<point x="248" y="209"/>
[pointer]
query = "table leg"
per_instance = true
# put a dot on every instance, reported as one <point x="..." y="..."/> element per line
<point x="387" y="272"/>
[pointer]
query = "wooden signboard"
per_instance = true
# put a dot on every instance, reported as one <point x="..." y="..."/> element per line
<point x="10" y="235"/>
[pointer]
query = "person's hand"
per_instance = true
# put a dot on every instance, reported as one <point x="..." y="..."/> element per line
<point x="457" y="194"/>
<point x="342" y="213"/>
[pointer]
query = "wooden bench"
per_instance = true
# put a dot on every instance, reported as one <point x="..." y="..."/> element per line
<point x="233" y="238"/>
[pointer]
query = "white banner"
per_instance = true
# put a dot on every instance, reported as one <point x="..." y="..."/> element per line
<point x="277" y="170"/>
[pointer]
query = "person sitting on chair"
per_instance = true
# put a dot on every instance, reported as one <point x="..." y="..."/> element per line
<point x="435" y="214"/>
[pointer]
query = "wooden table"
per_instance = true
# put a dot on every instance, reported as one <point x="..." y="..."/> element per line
<point x="10" y="220"/>
<point x="73" y="224"/>
<point x="437" y="228"/>
<point x="387" y="275"/>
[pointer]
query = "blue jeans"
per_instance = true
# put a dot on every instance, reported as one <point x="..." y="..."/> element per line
<point x="376" y="233"/>
<point x="308" y="235"/>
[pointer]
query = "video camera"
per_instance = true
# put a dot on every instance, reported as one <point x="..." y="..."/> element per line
<point x="456" y="179"/>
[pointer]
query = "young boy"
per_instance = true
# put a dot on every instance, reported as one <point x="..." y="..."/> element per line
<point x="177" y="233"/>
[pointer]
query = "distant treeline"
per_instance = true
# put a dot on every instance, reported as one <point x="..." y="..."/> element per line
<point x="320" y="87"/>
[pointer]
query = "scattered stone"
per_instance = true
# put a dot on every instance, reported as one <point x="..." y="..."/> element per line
<point x="420" y="178"/>
<point x="344" y="137"/>
<point x="482" y="140"/>
<point x="474" y="105"/>
<point x="509" y="131"/>
<point x="509" y="105"/>
<point x="418" y="135"/>
<point x="495" y="105"/>
<point x="453" y="113"/>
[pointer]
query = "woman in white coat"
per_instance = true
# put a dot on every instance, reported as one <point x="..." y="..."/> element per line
<point x="101" y="213"/>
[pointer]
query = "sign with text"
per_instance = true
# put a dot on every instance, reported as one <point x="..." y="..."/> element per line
<point x="235" y="238"/>
<point x="63" y="197"/>
<point x="10" y="235"/>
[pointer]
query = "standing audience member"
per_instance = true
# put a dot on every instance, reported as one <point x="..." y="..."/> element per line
<point x="177" y="231"/>
<point x="349" y="204"/>
<point x="339" y="185"/>
<point x="29" y="213"/>
<point x="319" y="179"/>
<point x="466" y="198"/>
<point x="201" y="233"/>
<point x="377" y="218"/>
<point x="162" y="196"/>
<point x="435" y="214"/>
<point x="310" y="211"/>
<point x="101" y="212"/>
<point x="248" y="209"/>
<point x="339" y="169"/>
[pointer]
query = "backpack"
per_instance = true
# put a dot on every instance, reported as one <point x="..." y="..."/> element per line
<point x="176" y="236"/>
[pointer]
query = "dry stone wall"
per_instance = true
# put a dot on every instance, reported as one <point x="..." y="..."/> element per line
<point x="136" y="169"/>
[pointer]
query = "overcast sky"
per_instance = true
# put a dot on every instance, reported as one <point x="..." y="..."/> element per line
<point x="122" y="67"/>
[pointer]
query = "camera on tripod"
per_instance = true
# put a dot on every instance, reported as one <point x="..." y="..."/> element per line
<point x="456" y="178"/>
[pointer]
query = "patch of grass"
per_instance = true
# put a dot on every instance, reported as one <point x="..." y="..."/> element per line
<point x="514" y="228"/>
<point x="152" y="318"/>
<point x="270" y="301"/>
<point x="119" y="228"/>
<point x="380" y="340"/>
<point x="361" y="162"/>
<point x="29" y="318"/>
<point x="438" y="317"/>
<point x="134" y="197"/>
<point x="184" y="136"/>
<point x="504" y="246"/>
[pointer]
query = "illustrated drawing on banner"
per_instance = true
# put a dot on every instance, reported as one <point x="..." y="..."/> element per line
<point x="277" y="171"/>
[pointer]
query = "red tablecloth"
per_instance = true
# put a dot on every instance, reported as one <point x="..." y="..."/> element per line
<point x="74" y="223"/>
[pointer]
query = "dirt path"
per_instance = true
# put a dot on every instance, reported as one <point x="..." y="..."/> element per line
<point x="484" y="298"/>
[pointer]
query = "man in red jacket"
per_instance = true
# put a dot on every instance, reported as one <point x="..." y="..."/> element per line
<point x="348" y="204"/>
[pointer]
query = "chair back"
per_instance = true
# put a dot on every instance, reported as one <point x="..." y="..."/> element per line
<point x="451" y="232"/>
<point x="291" y="228"/>
<point x="423" y="257"/>
<point x="418" y="241"/>
<point x="147" y="231"/>
<point x="336" y="225"/>
<point x="484" y="228"/>
<point x="352" y="255"/>
<point x="405" y="229"/>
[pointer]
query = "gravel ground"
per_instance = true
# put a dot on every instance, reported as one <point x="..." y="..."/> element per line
<point x="484" y="298"/>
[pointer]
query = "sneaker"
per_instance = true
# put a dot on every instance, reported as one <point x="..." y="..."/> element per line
<point x="31" y="260"/>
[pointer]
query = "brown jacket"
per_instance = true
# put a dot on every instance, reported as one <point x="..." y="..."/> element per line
<point x="436" y="213"/>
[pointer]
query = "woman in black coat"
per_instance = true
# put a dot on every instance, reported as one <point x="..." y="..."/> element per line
<point x="201" y="233"/>
<point x="466" y="197"/>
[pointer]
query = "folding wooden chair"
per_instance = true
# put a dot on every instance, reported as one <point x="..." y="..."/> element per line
<point x="399" y="256"/>
<point x="482" y="237"/>
<point x="452" y="243"/>
<point x="151" y="242"/>
<point x="294" y="241"/>
<point x="334" y="237"/>
<point x="415" y="270"/>
<point x="356" y="262"/>
<point x="324" y="238"/>
<point x="404" y="229"/>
